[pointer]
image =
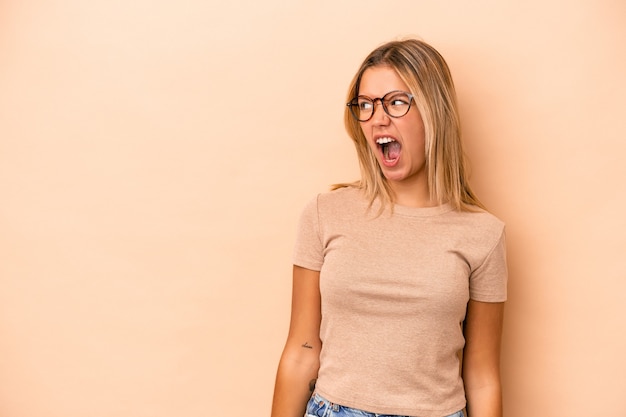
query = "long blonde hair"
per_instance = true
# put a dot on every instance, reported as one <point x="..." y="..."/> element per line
<point x="428" y="77"/>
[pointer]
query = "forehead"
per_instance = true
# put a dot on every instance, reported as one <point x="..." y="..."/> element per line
<point x="378" y="81"/>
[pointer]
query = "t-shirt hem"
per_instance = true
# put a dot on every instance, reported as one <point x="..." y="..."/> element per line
<point x="392" y="410"/>
<point x="313" y="266"/>
<point x="488" y="298"/>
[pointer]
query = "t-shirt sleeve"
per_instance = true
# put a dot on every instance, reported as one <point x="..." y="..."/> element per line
<point x="308" y="249"/>
<point x="488" y="282"/>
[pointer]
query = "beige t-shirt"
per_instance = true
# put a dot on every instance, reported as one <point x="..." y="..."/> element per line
<point x="394" y="292"/>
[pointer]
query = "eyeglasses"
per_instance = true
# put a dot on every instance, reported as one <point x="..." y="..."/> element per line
<point x="395" y="104"/>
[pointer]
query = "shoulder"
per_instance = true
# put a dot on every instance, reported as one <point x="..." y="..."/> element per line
<point x="477" y="218"/>
<point x="480" y="228"/>
<point x="339" y="205"/>
<point x="339" y="200"/>
<point x="334" y="199"/>
<point x="341" y="194"/>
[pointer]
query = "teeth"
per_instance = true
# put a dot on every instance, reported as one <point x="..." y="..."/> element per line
<point x="384" y="140"/>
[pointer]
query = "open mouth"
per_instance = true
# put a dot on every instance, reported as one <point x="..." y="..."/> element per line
<point x="390" y="148"/>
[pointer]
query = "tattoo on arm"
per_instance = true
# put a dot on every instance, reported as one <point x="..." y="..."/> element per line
<point x="313" y="381"/>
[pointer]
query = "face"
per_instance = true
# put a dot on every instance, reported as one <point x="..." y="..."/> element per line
<point x="397" y="143"/>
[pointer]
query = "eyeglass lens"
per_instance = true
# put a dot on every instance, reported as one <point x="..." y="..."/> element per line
<point x="394" y="103"/>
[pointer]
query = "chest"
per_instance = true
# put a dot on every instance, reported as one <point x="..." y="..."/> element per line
<point x="396" y="269"/>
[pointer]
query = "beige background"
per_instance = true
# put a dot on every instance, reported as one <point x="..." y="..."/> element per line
<point x="155" y="155"/>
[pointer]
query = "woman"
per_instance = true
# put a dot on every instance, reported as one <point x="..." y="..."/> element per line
<point x="399" y="279"/>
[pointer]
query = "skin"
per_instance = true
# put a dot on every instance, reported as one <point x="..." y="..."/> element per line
<point x="407" y="177"/>
<point x="299" y="362"/>
<point x="481" y="359"/>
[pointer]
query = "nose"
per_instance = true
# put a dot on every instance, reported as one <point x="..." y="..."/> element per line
<point x="380" y="116"/>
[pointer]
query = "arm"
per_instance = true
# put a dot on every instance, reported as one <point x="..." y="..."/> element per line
<point x="299" y="362"/>
<point x="481" y="359"/>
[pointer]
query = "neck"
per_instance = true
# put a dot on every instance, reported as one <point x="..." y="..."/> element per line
<point x="411" y="196"/>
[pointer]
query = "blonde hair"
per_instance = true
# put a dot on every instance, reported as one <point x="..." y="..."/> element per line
<point x="428" y="78"/>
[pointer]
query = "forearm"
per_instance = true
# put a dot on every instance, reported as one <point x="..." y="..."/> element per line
<point x="293" y="386"/>
<point x="485" y="401"/>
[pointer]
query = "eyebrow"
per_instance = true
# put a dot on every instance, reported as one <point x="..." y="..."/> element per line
<point x="380" y="97"/>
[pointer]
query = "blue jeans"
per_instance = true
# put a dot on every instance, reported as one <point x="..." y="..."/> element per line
<point x="321" y="407"/>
